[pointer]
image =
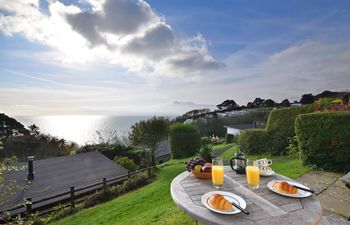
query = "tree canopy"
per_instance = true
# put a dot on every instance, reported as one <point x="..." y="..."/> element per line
<point x="307" y="99"/>
<point x="228" y="105"/>
<point x="148" y="133"/>
<point x="11" y="127"/>
<point x="285" y="103"/>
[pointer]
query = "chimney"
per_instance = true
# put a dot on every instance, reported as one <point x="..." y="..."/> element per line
<point x="30" y="168"/>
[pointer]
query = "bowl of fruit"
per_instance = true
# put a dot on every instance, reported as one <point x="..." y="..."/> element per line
<point x="199" y="168"/>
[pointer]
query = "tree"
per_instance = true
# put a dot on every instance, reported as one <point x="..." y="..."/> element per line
<point x="228" y="105"/>
<point x="285" y="103"/>
<point x="148" y="133"/>
<point x="345" y="98"/>
<point x="11" y="127"/>
<point x="34" y="130"/>
<point x="258" y="102"/>
<point x="250" y="105"/>
<point x="307" y="99"/>
<point x="269" y="103"/>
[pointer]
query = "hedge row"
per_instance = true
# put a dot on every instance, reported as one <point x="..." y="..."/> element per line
<point x="324" y="139"/>
<point x="254" y="141"/>
<point x="185" y="140"/>
<point x="273" y="139"/>
<point x="280" y="127"/>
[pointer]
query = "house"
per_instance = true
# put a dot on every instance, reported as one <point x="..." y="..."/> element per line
<point x="49" y="177"/>
<point x="162" y="152"/>
<point x="237" y="128"/>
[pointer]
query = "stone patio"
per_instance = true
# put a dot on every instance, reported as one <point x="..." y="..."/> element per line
<point x="333" y="194"/>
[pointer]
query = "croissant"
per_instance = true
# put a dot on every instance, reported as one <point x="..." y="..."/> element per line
<point x="219" y="202"/>
<point x="284" y="187"/>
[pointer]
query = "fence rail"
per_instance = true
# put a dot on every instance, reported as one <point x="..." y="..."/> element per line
<point x="72" y="194"/>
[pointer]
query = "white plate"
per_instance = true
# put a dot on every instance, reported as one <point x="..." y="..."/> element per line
<point x="229" y="197"/>
<point x="300" y="194"/>
<point x="267" y="173"/>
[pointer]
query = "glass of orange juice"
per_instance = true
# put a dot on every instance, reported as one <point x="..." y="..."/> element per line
<point x="217" y="173"/>
<point x="253" y="175"/>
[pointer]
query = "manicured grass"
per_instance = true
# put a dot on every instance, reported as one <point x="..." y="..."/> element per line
<point x="220" y="146"/>
<point x="228" y="154"/>
<point x="291" y="168"/>
<point x="151" y="204"/>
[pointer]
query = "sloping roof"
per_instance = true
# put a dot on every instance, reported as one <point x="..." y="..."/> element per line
<point x="56" y="175"/>
<point x="163" y="148"/>
<point x="244" y="126"/>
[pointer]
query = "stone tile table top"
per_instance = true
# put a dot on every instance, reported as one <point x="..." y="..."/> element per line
<point x="265" y="206"/>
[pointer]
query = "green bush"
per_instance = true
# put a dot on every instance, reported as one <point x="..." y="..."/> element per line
<point x="205" y="152"/>
<point x="112" y="151"/>
<point x="280" y="127"/>
<point x="185" y="140"/>
<point x="205" y="141"/>
<point x="254" y="141"/>
<point x="101" y="196"/>
<point x="324" y="139"/>
<point x="229" y="138"/>
<point x="126" y="163"/>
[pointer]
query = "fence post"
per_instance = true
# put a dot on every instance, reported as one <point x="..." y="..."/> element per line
<point x="28" y="205"/>
<point x="72" y="203"/>
<point x="129" y="174"/>
<point x="104" y="185"/>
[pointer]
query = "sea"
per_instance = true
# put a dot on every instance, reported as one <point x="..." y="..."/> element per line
<point x="84" y="129"/>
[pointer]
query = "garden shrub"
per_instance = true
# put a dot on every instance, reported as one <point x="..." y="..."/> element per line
<point x="324" y="139"/>
<point x="126" y="163"/>
<point x="280" y="127"/>
<point x="254" y="141"/>
<point x="205" y="141"/>
<point x="101" y="196"/>
<point x="112" y="151"/>
<point x="229" y="138"/>
<point x="205" y="152"/>
<point x="184" y="139"/>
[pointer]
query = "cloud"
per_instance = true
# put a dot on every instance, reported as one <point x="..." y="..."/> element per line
<point x="192" y="104"/>
<point x="127" y="33"/>
<point x="309" y="66"/>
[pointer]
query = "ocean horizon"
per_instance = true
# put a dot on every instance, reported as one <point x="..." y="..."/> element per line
<point x="84" y="129"/>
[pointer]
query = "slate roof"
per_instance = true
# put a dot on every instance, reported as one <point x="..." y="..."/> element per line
<point x="56" y="175"/>
<point x="244" y="126"/>
<point x="163" y="148"/>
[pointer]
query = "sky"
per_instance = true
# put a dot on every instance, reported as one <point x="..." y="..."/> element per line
<point x="136" y="57"/>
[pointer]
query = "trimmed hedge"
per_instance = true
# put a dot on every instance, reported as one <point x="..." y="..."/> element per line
<point x="280" y="126"/>
<point x="185" y="140"/>
<point x="324" y="139"/>
<point x="254" y="141"/>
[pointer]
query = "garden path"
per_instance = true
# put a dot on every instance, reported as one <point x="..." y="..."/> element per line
<point x="332" y="192"/>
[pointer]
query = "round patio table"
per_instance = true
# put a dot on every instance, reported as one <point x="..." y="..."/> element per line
<point x="265" y="206"/>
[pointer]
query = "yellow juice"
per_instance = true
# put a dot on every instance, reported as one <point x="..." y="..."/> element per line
<point x="253" y="176"/>
<point x="217" y="175"/>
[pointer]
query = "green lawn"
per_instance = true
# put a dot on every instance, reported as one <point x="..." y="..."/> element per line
<point x="152" y="204"/>
<point x="291" y="168"/>
<point x="220" y="146"/>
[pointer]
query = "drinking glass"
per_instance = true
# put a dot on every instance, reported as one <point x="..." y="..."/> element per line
<point x="217" y="173"/>
<point x="253" y="175"/>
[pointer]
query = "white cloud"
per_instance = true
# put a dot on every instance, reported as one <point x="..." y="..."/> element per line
<point x="127" y="33"/>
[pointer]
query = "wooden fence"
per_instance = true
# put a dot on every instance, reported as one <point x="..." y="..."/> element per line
<point x="72" y="195"/>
